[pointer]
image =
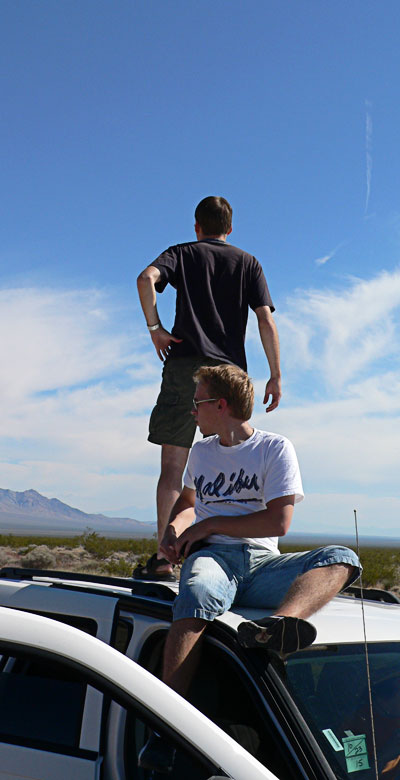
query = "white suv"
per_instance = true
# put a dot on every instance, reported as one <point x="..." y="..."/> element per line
<point x="306" y="717"/>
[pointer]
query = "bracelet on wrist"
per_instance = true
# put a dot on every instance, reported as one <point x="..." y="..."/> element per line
<point x="154" y="327"/>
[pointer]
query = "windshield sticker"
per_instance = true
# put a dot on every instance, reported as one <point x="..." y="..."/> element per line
<point x="355" y="752"/>
<point x="332" y="739"/>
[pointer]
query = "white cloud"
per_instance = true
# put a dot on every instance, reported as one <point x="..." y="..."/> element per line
<point x="83" y="485"/>
<point x="333" y="514"/>
<point x="341" y="402"/>
<point x="75" y="392"/>
<point x="324" y="259"/>
<point x="344" y="442"/>
<point x="330" y="255"/>
<point x="77" y="387"/>
<point x="56" y="339"/>
<point x="342" y="334"/>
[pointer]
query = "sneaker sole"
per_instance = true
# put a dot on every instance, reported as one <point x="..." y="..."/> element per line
<point x="281" y="636"/>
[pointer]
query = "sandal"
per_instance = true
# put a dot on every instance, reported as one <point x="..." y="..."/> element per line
<point x="150" y="571"/>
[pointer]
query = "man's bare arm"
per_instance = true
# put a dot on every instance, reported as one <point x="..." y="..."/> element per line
<point x="273" y="521"/>
<point x="270" y="341"/>
<point x="182" y="517"/>
<point x="160" y="337"/>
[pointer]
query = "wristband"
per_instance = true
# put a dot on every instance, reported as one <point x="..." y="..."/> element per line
<point x="154" y="327"/>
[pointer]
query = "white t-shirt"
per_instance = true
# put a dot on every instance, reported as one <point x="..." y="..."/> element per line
<point x="242" y="479"/>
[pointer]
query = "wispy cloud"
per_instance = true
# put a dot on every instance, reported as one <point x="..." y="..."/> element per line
<point x="341" y="402"/>
<point x="78" y="383"/>
<point x="75" y="390"/>
<point x="368" y="152"/>
<point x="324" y="259"/>
<point x="347" y="332"/>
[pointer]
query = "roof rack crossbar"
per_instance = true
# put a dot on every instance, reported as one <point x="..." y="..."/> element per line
<point x="137" y="587"/>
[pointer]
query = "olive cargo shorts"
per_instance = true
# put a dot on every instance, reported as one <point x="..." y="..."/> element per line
<point x="171" y="420"/>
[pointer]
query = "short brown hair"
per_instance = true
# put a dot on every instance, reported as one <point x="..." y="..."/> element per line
<point x="214" y="215"/>
<point x="233" y="384"/>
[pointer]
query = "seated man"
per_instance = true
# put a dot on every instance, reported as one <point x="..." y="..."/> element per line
<point x="239" y="492"/>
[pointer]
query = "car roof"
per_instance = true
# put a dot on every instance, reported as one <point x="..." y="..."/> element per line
<point x="342" y="620"/>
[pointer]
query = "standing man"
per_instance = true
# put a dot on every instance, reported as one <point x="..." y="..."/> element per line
<point x="215" y="284"/>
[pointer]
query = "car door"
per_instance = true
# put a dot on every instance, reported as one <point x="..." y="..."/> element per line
<point x="50" y="724"/>
<point x="52" y="668"/>
<point x="242" y="693"/>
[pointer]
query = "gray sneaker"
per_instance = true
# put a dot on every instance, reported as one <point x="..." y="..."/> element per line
<point x="282" y="635"/>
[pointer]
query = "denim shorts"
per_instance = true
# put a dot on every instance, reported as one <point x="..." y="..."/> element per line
<point x="223" y="575"/>
<point x="171" y="420"/>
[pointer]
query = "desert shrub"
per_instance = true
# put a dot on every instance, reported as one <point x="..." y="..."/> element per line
<point x="12" y="540"/>
<point x="380" y="566"/>
<point x="39" y="558"/>
<point x="90" y="537"/>
<point x="118" y="568"/>
<point x="5" y="556"/>
<point x="94" y="544"/>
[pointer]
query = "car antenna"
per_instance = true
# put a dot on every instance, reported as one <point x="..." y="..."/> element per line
<point x="371" y="712"/>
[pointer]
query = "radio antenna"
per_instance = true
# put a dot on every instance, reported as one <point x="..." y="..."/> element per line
<point x="371" y="712"/>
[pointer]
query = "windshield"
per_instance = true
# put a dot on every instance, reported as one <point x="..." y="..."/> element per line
<point x="330" y="687"/>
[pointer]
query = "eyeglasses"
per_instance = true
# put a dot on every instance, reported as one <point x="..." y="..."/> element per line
<point x="204" y="401"/>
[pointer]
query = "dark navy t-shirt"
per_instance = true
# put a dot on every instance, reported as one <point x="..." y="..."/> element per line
<point x="215" y="284"/>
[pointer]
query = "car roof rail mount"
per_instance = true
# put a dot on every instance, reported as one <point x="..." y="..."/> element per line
<point x="371" y="594"/>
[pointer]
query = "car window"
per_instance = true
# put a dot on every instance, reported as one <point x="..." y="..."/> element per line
<point x="42" y="703"/>
<point x="88" y="625"/>
<point x="188" y="762"/>
<point x="224" y="694"/>
<point x="330" y="687"/>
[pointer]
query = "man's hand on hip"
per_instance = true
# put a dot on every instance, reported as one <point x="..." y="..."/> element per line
<point x="162" y="341"/>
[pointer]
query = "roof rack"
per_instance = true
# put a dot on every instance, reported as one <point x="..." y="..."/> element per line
<point x="137" y="587"/>
<point x="371" y="594"/>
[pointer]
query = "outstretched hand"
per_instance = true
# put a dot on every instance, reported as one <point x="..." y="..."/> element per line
<point x="162" y="341"/>
<point x="273" y="389"/>
<point x="192" y="534"/>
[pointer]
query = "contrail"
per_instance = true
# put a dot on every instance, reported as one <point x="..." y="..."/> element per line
<point x="368" y="150"/>
<point x="325" y="258"/>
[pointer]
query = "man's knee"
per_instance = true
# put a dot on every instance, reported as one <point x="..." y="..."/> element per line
<point x="173" y="461"/>
<point x="187" y="625"/>
<point x="344" y="573"/>
<point x="183" y="628"/>
<point x="205" y="590"/>
<point x="333" y="556"/>
<point x="340" y="563"/>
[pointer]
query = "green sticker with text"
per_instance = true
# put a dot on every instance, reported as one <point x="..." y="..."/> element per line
<point x="355" y="751"/>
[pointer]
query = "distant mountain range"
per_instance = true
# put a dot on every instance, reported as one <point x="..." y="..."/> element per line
<point x="29" y="512"/>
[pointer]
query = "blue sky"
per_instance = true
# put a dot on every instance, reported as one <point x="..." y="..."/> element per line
<point x="117" y="118"/>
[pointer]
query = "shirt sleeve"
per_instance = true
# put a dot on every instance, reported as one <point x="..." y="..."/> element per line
<point x="188" y="477"/>
<point x="259" y="294"/>
<point x="167" y="265"/>
<point x="282" y="475"/>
